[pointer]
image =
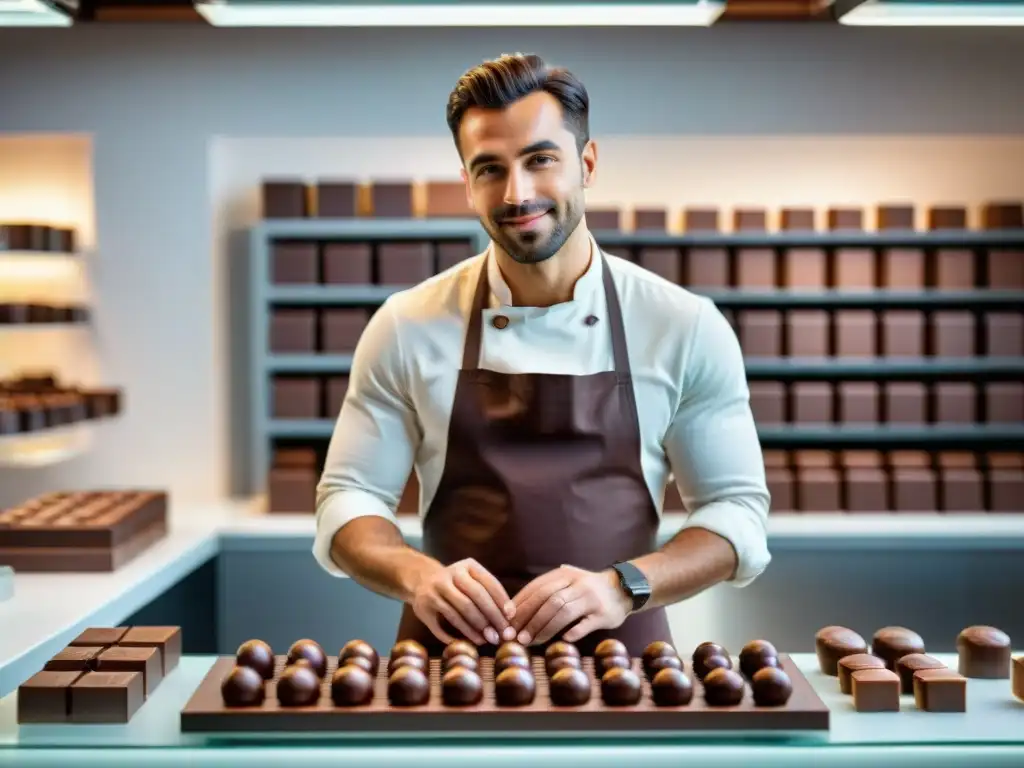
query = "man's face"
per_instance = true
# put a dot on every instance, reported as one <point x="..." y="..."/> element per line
<point x="524" y="176"/>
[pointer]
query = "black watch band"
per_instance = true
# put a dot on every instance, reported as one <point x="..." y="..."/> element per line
<point x="634" y="583"/>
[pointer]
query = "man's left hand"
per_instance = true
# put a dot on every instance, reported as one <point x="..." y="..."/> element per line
<point x="551" y="602"/>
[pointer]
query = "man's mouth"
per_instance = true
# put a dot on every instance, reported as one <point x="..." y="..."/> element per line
<point x="525" y="222"/>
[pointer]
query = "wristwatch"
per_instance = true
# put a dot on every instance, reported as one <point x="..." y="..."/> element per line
<point x="633" y="583"/>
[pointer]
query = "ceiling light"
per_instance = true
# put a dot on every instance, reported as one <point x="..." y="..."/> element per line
<point x="925" y="13"/>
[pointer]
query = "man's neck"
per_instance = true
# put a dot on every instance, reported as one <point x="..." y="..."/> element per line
<point x="552" y="281"/>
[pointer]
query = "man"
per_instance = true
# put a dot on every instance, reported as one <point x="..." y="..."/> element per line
<point x="544" y="391"/>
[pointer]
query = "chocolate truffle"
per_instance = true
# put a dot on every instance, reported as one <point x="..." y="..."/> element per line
<point x="620" y="687"/>
<point x="311" y="651"/>
<point x="909" y="664"/>
<point x="833" y="643"/>
<point x="256" y="655"/>
<point x="984" y="653"/>
<point x="560" y="648"/>
<point x="408" y="648"/>
<point x="406" y="661"/>
<point x="771" y="687"/>
<point x="561" y="662"/>
<point x="351" y="685"/>
<point x="657" y="650"/>
<point x="569" y="688"/>
<point x="704" y="667"/>
<point x="361" y="649"/>
<point x="298" y="686"/>
<point x="408" y="687"/>
<point x="756" y="655"/>
<point x="362" y="662"/>
<point x="662" y="662"/>
<point x="610" y="647"/>
<point x="462" y="660"/>
<point x="459" y="648"/>
<point x="461" y="687"/>
<point x="723" y="688"/>
<point x="604" y="663"/>
<point x="703" y="652"/>
<point x="850" y="664"/>
<point x="243" y="687"/>
<point x="511" y="648"/>
<point x="890" y="643"/>
<point x="523" y="662"/>
<point x="671" y="688"/>
<point x="514" y="687"/>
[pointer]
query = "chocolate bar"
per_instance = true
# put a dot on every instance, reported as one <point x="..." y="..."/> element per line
<point x="392" y="199"/>
<point x="664" y="262"/>
<point x="448" y="199"/>
<point x="285" y="199"/>
<point x="293" y="263"/>
<point x="295" y="397"/>
<point x="650" y="219"/>
<point x="449" y="254"/>
<point x="865" y="483"/>
<point x="604" y="218"/>
<point x="404" y="263"/>
<point x="337" y="199"/>
<point x="808" y="333"/>
<point x="292" y="330"/>
<point x="760" y="333"/>
<point x="347" y="264"/>
<point x="340" y="329"/>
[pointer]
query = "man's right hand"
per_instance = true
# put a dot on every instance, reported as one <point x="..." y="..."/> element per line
<point x="470" y="598"/>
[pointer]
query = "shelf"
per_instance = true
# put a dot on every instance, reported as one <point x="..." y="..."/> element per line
<point x="46" y="447"/>
<point x="886" y="369"/>
<point x="309" y="363"/>
<point x="368" y="229"/>
<point x="838" y="239"/>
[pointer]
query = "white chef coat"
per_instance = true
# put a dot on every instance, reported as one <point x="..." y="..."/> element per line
<point x="688" y="377"/>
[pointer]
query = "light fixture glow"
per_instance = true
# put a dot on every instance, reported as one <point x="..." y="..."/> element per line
<point x="969" y="13"/>
<point x="247" y="13"/>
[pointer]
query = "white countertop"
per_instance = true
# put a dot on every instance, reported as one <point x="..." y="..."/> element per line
<point x="49" y="610"/>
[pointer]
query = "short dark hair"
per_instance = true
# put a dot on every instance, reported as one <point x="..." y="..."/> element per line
<point x="498" y="83"/>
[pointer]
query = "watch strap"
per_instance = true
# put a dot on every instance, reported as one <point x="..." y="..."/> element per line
<point x="634" y="582"/>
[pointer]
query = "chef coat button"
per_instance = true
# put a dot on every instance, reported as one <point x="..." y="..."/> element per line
<point x="499" y="322"/>
<point x="591" y="319"/>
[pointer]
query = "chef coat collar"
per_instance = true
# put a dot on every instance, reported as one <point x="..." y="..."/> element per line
<point x="589" y="282"/>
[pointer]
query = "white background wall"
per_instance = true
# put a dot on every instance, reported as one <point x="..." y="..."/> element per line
<point x="183" y="121"/>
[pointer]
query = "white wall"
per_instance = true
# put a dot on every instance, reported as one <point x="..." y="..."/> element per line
<point x="184" y="120"/>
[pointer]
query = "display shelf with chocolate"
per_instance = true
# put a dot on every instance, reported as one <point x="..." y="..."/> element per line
<point x="44" y="315"/>
<point x="462" y="693"/>
<point x="81" y="531"/>
<point x="36" y="237"/>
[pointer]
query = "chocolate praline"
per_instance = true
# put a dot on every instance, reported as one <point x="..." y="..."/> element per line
<point x="569" y="688"/>
<point x="620" y="687"/>
<point x="771" y="687"/>
<point x="670" y="687"/>
<point x="907" y="665"/>
<point x="523" y="662"/>
<point x="611" y="647"/>
<point x="723" y="687"/>
<point x="409" y="648"/>
<point x="408" y="687"/>
<point x="511" y="648"/>
<point x="833" y="643"/>
<point x="850" y="664"/>
<point x="360" y="649"/>
<point x="461" y="687"/>
<point x="706" y="665"/>
<point x="756" y="655"/>
<point x="406" y="661"/>
<point x="362" y="662"/>
<point x="459" y="648"/>
<point x="257" y="655"/>
<point x="461" y="660"/>
<point x="983" y="652"/>
<point x="891" y="643"/>
<point x="562" y="662"/>
<point x="604" y="663"/>
<point x="656" y="650"/>
<point x="514" y="687"/>
<point x="243" y="687"/>
<point x="311" y="651"/>
<point x="706" y="649"/>
<point x="298" y="686"/>
<point x="662" y="662"/>
<point x="561" y="648"/>
<point x="351" y="685"/>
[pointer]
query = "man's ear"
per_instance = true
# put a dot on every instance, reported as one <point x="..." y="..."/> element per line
<point x="588" y="159"/>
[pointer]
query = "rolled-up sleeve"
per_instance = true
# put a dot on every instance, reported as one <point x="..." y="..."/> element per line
<point x="375" y="438"/>
<point x="713" y="447"/>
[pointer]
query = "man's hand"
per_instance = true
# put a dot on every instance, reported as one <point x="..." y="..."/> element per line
<point x="470" y="598"/>
<point x="551" y="602"/>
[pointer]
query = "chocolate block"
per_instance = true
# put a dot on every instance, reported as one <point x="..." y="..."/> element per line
<point x="664" y="262"/>
<point x="292" y="330"/>
<point x="145" y="660"/>
<point x="850" y="219"/>
<point x="865" y="482"/>
<point x="903" y="333"/>
<point x="448" y="199"/>
<point x="348" y="264"/>
<point x="812" y="402"/>
<point x="818" y="482"/>
<point x="340" y="329"/>
<point x="100" y="637"/>
<point x="855" y="333"/>
<point x="875" y="690"/>
<point x="780" y="481"/>
<point x="650" y="219"/>
<point x="899" y="216"/>
<point x="760" y="333"/>
<point x="295" y="397"/>
<point x="808" y="333"/>
<point x="955" y="403"/>
<point x="797" y="219"/>
<point x="167" y="639"/>
<point x="1006" y="484"/>
<point x="903" y="268"/>
<point x="337" y="199"/>
<point x="294" y="457"/>
<point x="962" y="486"/>
<point x="913" y="482"/>
<point x="750" y="220"/>
<point x="983" y="652"/>
<point x="292" y="489"/>
<point x="15" y="237"/>
<point x="768" y="402"/>
<point x="392" y="199"/>
<point x="1017" y="684"/>
<point x="1006" y="269"/>
<point x="955" y="269"/>
<point x="707" y="268"/>
<point x="404" y="263"/>
<point x="1002" y="215"/>
<point x="908" y="664"/>
<point x="1004" y="334"/>
<point x="106" y="697"/>
<point x="1004" y="402"/>
<point x="855" y="269"/>
<point x="604" y="218"/>
<point x="947" y="217"/>
<point x="293" y="263"/>
<point x="805" y="269"/>
<point x="451" y="254"/>
<point x="756" y="268"/>
<point x="847" y="665"/>
<point x="337" y="386"/>
<point x="953" y="334"/>
<point x="859" y="402"/>
<point x="285" y="199"/>
<point x="74" y="658"/>
<point x="45" y="697"/>
<point x="940" y="690"/>
<point x="906" y="402"/>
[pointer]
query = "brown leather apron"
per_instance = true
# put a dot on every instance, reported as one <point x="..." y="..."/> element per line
<point x="543" y="470"/>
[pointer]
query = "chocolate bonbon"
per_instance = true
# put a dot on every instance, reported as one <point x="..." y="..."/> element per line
<point x="555" y="664"/>
<point x="359" y="661"/>
<point x="512" y="660"/>
<point x="723" y="687"/>
<point x="351" y="685"/>
<point x="620" y="687"/>
<point x="850" y="664"/>
<point x="361" y="649"/>
<point x="256" y="655"/>
<point x="311" y="651"/>
<point x="703" y="652"/>
<point x="461" y="687"/>
<point x="511" y="648"/>
<point x="984" y="652"/>
<point x="243" y="687"/>
<point x="298" y="686"/>
<point x="610" y="647"/>
<point x="704" y="666"/>
<point x="890" y="643"/>
<point x="569" y="687"/>
<point x="833" y="643"/>
<point x="397" y="662"/>
<point x="515" y="687"/>
<point x="657" y="650"/>
<point x="756" y="655"/>
<point x="408" y="687"/>
<point x="459" y="648"/>
<point x="462" y="660"/>
<point x="561" y="648"/>
<point x="408" y="648"/>
<point x="771" y="687"/>
<point x="662" y="662"/>
<point x="670" y="687"/>
<point x="876" y="690"/>
<point x="911" y="663"/>
<point x="604" y="663"/>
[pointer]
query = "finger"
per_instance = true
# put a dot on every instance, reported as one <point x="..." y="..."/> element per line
<point x="526" y="615"/>
<point x="530" y="589"/>
<point x="591" y="623"/>
<point x="571" y="611"/>
<point x="461" y="603"/>
<point x="481" y="598"/>
<point x="455" y="619"/>
<point x="429" y="618"/>
<point x="546" y="612"/>
<point x="494" y="589"/>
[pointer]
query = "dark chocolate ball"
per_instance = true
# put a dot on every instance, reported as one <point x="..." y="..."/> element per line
<point x="461" y="687"/>
<point x="771" y="687"/>
<point x="408" y="648"/>
<point x="462" y="660"/>
<point x="408" y="687"/>
<point x="523" y="662"/>
<point x="351" y="685"/>
<point x="671" y="688"/>
<point x="360" y="649"/>
<point x="511" y="648"/>
<point x="560" y="648"/>
<point x="723" y="687"/>
<point x="702" y="667"/>
<point x="706" y="649"/>
<point x="604" y="663"/>
<point x="298" y="686"/>
<point x="256" y="655"/>
<point x="514" y="687"/>
<point x="311" y="651"/>
<point x="243" y="687"/>
<point x="562" y="662"/>
<point x="406" y="661"/>
<point x="611" y="647"/>
<point x="569" y="687"/>
<point x="756" y="655"/>
<point x="662" y="662"/>
<point x="459" y="648"/>
<point x="891" y="643"/>
<point x="657" y="650"/>
<point x="620" y="687"/>
<point x="362" y="662"/>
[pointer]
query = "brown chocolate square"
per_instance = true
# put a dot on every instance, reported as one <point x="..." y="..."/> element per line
<point x="700" y="219"/>
<point x="655" y="219"/>
<point x="392" y="199"/>
<point x="293" y="263"/>
<point x="855" y="269"/>
<point x="955" y="403"/>
<point x="74" y="658"/>
<point x="875" y="690"/>
<point x="707" y="268"/>
<point x="768" y="402"/>
<point x="106" y="697"/>
<point x="45" y="697"/>
<point x="1004" y="402"/>
<point x="903" y="268"/>
<point x="940" y="690"/>
<point x="285" y="199"/>
<point x="664" y="262"/>
<point x="144" y="659"/>
<point x="340" y="329"/>
<point x="447" y="199"/>
<point x="855" y="333"/>
<point x="292" y="489"/>
<point x="760" y="333"/>
<point x="292" y="330"/>
<point x="953" y="334"/>
<point x="295" y="397"/>
<point x="604" y="218"/>
<point x="808" y="333"/>
<point x="337" y="387"/>
<point x="859" y="402"/>
<point x="750" y="219"/>
<point x="851" y="219"/>
<point x="955" y="269"/>
<point x="1001" y="215"/>
<point x="905" y="402"/>
<point x="903" y="333"/>
<point x="963" y="490"/>
<point x="1006" y="487"/>
<point x="404" y="263"/>
<point x="805" y="268"/>
<point x="167" y="639"/>
<point x="99" y="637"/>
<point x="1004" y="334"/>
<point x="337" y="199"/>
<point x="1006" y="269"/>
<point x="451" y="254"/>
<point x="348" y="264"/>
<point x="812" y="402"/>
<point x="756" y="268"/>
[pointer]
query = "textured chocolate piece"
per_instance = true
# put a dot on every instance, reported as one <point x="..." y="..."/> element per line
<point x="664" y="262"/>
<point x="243" y="687"/>
<point x="258" y="655"/>
<point x="347" y="264"/>
<point x="341" y="328"/>
<point x="808" y="331"/>
<point x="723" y="687"/>
<point x="1006" y="269"/>
<point x="1017" y="683"/>
<point x="849" y="664"/>
<point x="875" y="690"/>
<point x="671" y="688"/>
<point x="911" y="663"/>
<point x="337" y="199"/>
<point x="859" y="402"/>
<point x="45" y="697"/>
<point x="1002" y="215"/>
<point x="855" y="269"/>
<point x="812" y="402"/>
<point x="906" y="402"/>
<point x="768" y="402"/>
<point x="100" y="637"/>
<point x="392" y="199"/>
<point x="145" y="660"/>
<point x="850" y="219"/>
<point x="1004" y="403"/>
<point x="955" y="403"/>
<point x="755" y="269"/>
<point x="404" y="263"/>
<point x="855" y="333"/>
<point x="106" y="697"/>
<point x="292" y="330"/>
<point x="805" y="269"/>
<point x="939" y="690"/>
<point x="166" y="639"/>
<point x="337" y="388"/>
<point x="293" y="263"/>
<point x="890" y="644"/>
<point x="760" y="333"/>
<point x="295" y="397"/>
<point x="450" y="254"/>
<point x="285" y="199"/>
<point x="707" y="268"/>
<point x="461" y="687"/>
<point x="650" y="219"/>
<point x="700" y="219"/>
<point x="604" y="218"/>
<point x="447" y="199"/>
<point x="833" y="643"/>
<point x="984" y="652"/>
<point x="74" y="658"/>
<point x="903" y="333"/>
<point x="952" y="334"/>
